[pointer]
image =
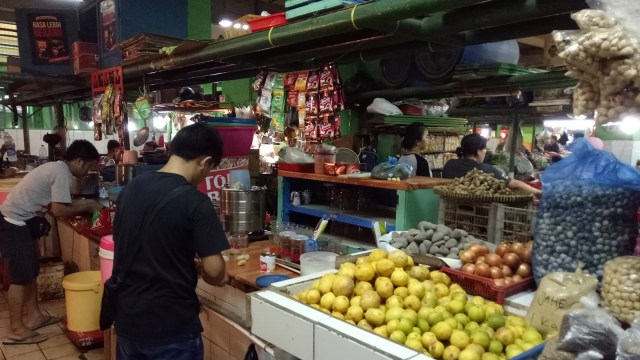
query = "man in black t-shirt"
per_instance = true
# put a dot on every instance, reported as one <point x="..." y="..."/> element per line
<point x="157" y="312"/>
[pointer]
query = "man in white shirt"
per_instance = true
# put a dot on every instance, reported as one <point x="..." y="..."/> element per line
<point x="21" y="224"/>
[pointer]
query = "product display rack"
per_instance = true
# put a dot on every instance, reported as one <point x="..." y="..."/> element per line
<point x="416" y="200"/>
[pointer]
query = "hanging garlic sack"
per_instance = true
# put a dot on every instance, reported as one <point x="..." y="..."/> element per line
<point x="605" y="58"/>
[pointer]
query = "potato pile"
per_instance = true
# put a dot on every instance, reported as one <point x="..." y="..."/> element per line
<point x="477" y="182"/>
<point x="432" y="239"/>
<point x="621" y="287"/>
<point x="606" y="61"/>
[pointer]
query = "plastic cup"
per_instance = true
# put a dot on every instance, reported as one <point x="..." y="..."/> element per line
<point x="238" y="244"/>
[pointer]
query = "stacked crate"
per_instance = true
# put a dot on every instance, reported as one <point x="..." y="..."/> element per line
<point x="85" y="58"/>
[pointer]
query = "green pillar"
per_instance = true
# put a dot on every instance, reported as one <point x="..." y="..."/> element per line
<point x="199" y="25"/>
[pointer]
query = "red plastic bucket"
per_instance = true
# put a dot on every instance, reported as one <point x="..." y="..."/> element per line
<point x="237" y="139"/>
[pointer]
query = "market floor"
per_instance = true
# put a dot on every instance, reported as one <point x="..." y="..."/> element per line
<point x="58" y="346"/>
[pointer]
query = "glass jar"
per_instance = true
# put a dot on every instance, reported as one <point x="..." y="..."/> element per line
<point x="285" y="244"/>
<point x="298" y="244"/>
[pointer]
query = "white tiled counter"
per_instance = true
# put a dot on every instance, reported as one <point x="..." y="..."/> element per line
<point x="310" y="334"/>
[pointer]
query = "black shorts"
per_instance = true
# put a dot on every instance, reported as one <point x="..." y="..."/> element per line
<point x="18" y="248"/>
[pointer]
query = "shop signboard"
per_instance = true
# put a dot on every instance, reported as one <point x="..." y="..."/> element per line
<point x="44" y="40"/>
<point x="49" y="43"/>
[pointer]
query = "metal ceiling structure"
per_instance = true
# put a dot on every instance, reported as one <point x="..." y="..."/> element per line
<point x="381" y="28"/>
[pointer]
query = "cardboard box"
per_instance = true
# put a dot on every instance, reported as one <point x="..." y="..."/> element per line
<point x="85" y="64"/>
<point x="83" y="48"/>
<point x="13" y="65"/>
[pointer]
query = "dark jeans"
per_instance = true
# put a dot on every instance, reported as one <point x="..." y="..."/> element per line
<point x="191" y="349"/>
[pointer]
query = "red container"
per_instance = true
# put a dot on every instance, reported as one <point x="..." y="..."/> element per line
<point x="237" y="139"/>
<point x="266" y="22"/>
<point x="303" y="168"/>
<point x="482" y="286"/>
<point x="408" y="109"/>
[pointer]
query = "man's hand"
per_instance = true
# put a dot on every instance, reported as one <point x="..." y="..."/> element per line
<point x="78" y="206"/>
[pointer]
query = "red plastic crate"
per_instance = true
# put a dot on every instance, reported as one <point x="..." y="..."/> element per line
<point x="482" y="286"/>
<point x="266" y="22"/>
<point x="237" y="139"/>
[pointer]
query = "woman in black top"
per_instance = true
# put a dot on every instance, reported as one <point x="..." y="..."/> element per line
<point x="413" y="143"/>
<point x="471" y="155"/>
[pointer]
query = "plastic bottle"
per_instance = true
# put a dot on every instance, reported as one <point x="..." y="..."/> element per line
<point x="43" y="155"/>
<point x="10" y="148"/>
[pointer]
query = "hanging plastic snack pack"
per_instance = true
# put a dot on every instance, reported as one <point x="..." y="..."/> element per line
<point x="587" y="214"/>
<point x="391" y="169"/>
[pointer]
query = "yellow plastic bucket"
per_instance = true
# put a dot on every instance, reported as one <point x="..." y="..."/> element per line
<point x="83" y="296"/>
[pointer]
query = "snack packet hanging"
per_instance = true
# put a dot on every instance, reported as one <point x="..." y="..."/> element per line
<point x="313" y="81"/>
<point x="301" y="81"/>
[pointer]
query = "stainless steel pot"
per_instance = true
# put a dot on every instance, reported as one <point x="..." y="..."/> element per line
<point x="243" y="210"/>
<point x="86" y="185"/>
<point x="125" y="173"/>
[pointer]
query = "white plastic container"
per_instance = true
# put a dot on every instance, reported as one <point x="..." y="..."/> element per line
<point x="313" y="262"/>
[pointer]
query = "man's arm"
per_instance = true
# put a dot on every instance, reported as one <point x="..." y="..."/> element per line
<point x="214" y="270"/>
<point x="76" y="207"/>
<point x="519" y="185"/>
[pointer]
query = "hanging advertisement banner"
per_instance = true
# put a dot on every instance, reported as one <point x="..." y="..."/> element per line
<point x="49" y="42"/>
<point x="108" y="25"/>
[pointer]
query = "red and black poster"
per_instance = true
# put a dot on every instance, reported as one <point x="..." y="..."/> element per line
<point x="108" y="24"/>
<point x="49" y="38"/>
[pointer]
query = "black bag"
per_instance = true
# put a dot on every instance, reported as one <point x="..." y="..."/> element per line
<point x="110" y="292"/>
<point x="251" y="354"/>
<point x="38" y="227"/>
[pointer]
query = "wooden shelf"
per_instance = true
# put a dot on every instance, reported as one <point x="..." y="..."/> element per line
<point x="412" y="183"/>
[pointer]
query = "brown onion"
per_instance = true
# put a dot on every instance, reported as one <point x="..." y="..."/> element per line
<point x="469" y="268"/>
<point x="524" y="270"/>
<point x="481" y="260"/>
<point x="526" y="255"/>
<point x="496" y="273"/>
<point x="493" y="260"/>
<point x="475" y="248"/>
<point x="499" y="282"/>
<point x="508" y="281"/>
<point x="483" y="270"/>
<point x="482" y="250"/>
<point x="517" y="278"/>
<point x="518" y="248"/>
<point x="503" y="248"/>
<point x="512" y="260"/>
<point x="468" y="257"/>
<point x="506" y="270"/>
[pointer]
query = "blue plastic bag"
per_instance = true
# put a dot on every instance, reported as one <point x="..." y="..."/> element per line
<point x="391" y="169"/>
<point x="587" y="214"/>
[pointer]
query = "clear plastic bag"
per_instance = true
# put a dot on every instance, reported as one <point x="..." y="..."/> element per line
<point x="620" y="286"/>
<point x="629" y="344"/>
<point x="588" y="212"/>
<point x="391" y="169"/>
<point x="590" y="330"/>
<point x="383" y="107"/>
